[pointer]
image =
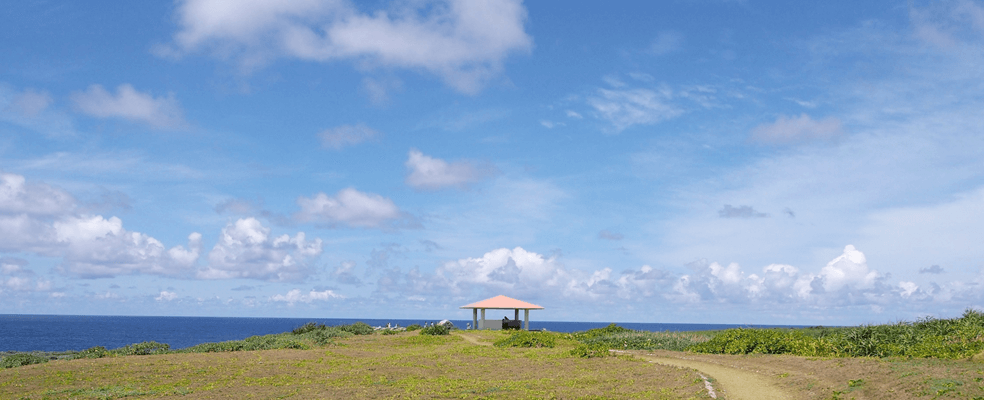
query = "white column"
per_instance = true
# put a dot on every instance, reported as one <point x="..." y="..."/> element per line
<point x="474" y="318"/>
<point x="482" y="321"/>
<point x="526" y="318"/>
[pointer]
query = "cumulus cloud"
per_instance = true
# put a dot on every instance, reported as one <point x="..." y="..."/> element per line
<point x="431" y="173"/>
<point x="346" y="135"/>
<point x="96" y="247"/>
<point x="787" y="130"/>
<point x="166" y="296"/>
<point x="15" y="277"/>
<point x="130" y="104"/>
<point x="18" y="197"/>
<point x="246" y="250"/>
<point x="41" y="219"/>
<point x="349" y="207"/>
<point x="465" y="43"/>
<point x="624" y="108"/>
<point x="295" y="296"/>
<point x="740" y="212"/>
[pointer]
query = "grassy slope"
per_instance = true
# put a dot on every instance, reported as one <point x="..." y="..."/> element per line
<point x="369" y="366"/>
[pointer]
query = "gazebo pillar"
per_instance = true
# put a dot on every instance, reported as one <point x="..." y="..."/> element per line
<point x="482" y="326"/>
<point x="526" y="318"/>
<point x="516" y="317"/>
<point x="474" y="318"/>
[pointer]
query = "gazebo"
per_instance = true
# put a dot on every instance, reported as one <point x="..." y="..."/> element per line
<point x="500" y="302"/>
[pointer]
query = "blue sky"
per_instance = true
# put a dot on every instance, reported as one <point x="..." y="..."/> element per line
<point x="681" y="161"/>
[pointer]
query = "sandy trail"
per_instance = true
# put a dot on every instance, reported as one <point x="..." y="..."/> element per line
<point x="732" y="383"/>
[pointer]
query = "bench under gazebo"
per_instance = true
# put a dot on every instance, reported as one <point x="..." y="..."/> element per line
<point x="500" y="302"/>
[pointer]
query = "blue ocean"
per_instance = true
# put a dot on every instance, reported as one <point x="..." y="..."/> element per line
<point x="79" y="332"/>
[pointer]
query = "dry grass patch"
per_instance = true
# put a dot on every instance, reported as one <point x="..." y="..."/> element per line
<point x="372" y="366"/>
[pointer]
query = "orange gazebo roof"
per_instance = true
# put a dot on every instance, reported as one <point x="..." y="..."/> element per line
<point x="503" y="302"/>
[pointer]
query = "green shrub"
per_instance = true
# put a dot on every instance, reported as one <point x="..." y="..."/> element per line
<point x="436" y="330"/>
<point x="611" y="329"/>
<point x="642" y="340"/>
<point x="389" y="332"/>
<point x="143" y="349"/>
<point x="20" y="360"/>
<point x="358" y="328"/>
<point x="414" y="327"/>
<point x="528" y="339"/>
<point x="252" y="343"/>
<point x="928" y="337"/>
<point x="307" y="328"/>
<point x="764" y="341"/>
<point x="92" y="352"/>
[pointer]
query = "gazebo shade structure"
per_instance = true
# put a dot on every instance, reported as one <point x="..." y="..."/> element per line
<point x="500" y="302"/>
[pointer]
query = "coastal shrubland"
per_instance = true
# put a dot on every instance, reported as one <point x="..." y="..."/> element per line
<point x="952" y="338"/>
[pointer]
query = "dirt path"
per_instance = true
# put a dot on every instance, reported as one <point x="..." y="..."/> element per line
<point x="473" y="340"/>
<point x="731" y="382"/>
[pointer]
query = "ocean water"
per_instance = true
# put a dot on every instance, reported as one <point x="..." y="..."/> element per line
<point x="79" y="332"/>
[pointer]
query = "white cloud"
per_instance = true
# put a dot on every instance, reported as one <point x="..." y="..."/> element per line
<point x="17" y="197"/>
<point x="129" y="104"/>
<point x="246" y="250"/>
<point x="427" y="172"/>
<point x="797" y="129"/>
<point x="573" y="114"/>
<point x="463" y="42"/>
<point x="166" y="296"/>
<point x="39" y="219"/>
<point x="350" y="207"/>
<point x="95" y="247"/>
<point x="295" y="296"/>
<point x="624" y="108"/>
<point x="346" y="135"/>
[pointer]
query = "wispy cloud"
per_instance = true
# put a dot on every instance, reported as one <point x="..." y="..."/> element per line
<point x="347" y="135"/>
<point x="129" y="104"/>
<point x="426" y="172"/>
<point x="797" y="129"/>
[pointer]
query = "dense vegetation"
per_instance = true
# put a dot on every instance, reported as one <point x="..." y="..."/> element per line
<point x="928" y="337"/>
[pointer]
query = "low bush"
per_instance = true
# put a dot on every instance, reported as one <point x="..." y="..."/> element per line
<point x="92" y="352"/>
<point x="528" y="339"/>
<point x="951" y="338"/>
<point x="20" y="360"/>
<point x="252" y="343"/>
<point x="764" y="341"/>
<point x="436" y="330"/>
<point x="414" y="327"/>
<point x="358" y="328"/>
<point x="643" y="340"/>
<point x="307" y="328"/>
<point x="143" y="349"/>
